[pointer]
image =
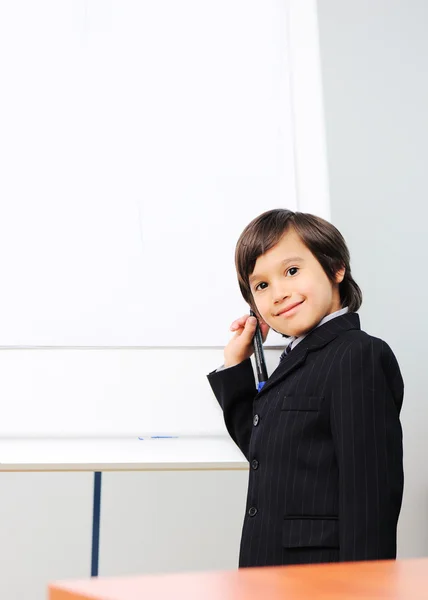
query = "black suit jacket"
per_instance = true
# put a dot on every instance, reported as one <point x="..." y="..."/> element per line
<point x="324" y="443"/>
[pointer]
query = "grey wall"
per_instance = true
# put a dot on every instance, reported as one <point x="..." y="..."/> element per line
<point x="374" y="56"/>
<point x="150" y="522"/>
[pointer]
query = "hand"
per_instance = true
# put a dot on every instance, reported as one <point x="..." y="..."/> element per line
<point x="240" y="346"/>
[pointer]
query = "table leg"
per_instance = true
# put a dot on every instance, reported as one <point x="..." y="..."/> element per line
<point x="96" y="524"/>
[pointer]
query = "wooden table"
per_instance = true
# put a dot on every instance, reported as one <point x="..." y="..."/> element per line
<point x="386" y="580"/>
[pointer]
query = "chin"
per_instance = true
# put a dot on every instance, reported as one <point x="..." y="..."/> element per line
<point x="296" y="334"/>
<point x="298" y="331"/>
<point x="288" y="334"/>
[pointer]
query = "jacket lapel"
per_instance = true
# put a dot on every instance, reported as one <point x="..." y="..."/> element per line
<point x="315" y="340"/>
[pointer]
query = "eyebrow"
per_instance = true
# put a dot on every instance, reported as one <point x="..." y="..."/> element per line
<point x="284" y="263"/>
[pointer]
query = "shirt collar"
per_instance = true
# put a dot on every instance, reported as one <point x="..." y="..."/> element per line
<point x="293" y="341"/>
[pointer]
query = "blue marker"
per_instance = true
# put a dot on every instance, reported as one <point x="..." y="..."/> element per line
<point x="261" y="369"/>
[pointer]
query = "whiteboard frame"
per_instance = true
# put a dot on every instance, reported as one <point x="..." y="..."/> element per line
<point x="308" y="108"/>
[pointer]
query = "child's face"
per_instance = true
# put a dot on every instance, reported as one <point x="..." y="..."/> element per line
<point x="290" y="288"/>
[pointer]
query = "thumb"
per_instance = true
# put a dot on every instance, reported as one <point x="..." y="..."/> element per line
<point x="249" y="329"/>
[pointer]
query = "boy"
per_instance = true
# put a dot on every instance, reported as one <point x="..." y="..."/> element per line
<point x="323" y="436"/>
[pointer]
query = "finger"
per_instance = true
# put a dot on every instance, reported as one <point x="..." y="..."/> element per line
<point x="239" y="323"/>
<point x="247" y="333"/>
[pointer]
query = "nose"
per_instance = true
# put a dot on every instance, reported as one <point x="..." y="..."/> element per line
<point x="280" y="292"/>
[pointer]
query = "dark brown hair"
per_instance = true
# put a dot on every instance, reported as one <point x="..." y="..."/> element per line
<point x="321" y="237"/>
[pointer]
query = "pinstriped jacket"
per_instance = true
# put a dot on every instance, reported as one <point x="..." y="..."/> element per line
<point x="324" y="443"/>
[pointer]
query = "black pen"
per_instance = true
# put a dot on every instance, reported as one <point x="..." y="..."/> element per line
<point x="259" y="355"/>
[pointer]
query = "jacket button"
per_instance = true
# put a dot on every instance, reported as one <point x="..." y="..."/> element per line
<point x="254" y="464"/>
<point x="253" y="511"/>
<point x="256" y="420"/>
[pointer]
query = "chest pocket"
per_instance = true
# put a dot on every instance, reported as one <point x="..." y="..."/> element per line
<point x="306" y="403"/>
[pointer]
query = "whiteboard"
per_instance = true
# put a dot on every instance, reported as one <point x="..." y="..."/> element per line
<point x="111" y="392"/>
<point x="138" y="140"/>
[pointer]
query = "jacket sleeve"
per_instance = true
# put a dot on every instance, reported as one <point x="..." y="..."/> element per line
<point x="366" y="400"/>
<point x="235" y="390"/>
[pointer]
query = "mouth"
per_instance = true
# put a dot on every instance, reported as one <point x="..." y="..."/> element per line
<point x="290" y="309"/>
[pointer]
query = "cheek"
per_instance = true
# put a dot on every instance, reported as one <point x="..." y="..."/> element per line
<point x="262" y="306"/>
<point x="307" y="290"/>
<point x="314" y="291"/>
<point x="319" y="299"/>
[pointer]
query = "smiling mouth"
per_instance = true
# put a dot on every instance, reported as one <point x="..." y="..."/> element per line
<point x="289" y="310"/>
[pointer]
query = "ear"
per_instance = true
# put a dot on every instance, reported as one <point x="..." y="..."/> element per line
<point x="340" y="275"/>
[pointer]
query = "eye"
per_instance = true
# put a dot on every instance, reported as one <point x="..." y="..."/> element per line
<point x="259" y="286"/>
<point x="292" y="271"/>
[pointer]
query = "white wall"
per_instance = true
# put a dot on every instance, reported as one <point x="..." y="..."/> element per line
<point x="45" y="531"/>
<point x="374" y="61"/>
<point x="171" y="521"/>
